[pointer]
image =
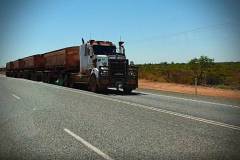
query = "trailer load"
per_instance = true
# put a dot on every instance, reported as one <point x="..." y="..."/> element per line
<point x="96" y="64"/>
<point x="35" y="62"/>
<point x="63" y="59"/>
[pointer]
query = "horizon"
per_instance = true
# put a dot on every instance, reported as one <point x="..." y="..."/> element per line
<point x="153" y="31"/>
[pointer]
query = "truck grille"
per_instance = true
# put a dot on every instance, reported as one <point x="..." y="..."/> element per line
<point x="118" y="68"/>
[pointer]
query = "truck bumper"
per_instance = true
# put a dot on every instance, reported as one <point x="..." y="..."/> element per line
<point x="118" y="82"/>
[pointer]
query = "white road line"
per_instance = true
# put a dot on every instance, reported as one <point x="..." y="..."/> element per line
<point x="93" y="148"/>
<point x="193" y="100"/>
<point x="154" y="109"/>
<point x="146" y="107"/>
<point x="173" y="113"/>
<point x="16" y="96"/>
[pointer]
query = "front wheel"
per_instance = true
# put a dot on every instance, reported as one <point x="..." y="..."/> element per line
<point x="127" y="90"/>
<point x="92" y="86"/>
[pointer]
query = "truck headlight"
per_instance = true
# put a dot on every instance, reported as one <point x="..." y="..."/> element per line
<point x="104" y="71"/>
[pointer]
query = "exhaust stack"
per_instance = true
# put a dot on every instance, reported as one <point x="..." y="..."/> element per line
<point x="121" y="47"/>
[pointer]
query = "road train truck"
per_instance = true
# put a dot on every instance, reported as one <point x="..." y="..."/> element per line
<point x="96" y="64"/>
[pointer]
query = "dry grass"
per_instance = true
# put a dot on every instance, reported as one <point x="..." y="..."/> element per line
<point x="189" y="89"/>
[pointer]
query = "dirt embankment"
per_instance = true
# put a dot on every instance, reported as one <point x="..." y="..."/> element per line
<point x="172" y="87"/>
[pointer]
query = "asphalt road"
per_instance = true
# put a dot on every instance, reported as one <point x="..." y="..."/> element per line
<point x="44" y="121"/>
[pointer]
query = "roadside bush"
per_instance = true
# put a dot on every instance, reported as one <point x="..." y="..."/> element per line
<point x="213" y="78"/>
<point x="226" y="75"/>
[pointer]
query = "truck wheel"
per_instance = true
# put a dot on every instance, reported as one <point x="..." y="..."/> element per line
<point x="92" y="86"/>
<point x="127" y="90"/>
<point x="40" y="76"/>
<point x="102" y="89"/>
<point x="37" y="77"/>
<point x="44" y="77"/>
<point x="66" y="81"/>
<point x="48" y="78"/>
<point x="32" y="77"/>
<point x="60" y="80"/>
<point x="71" y="85"/>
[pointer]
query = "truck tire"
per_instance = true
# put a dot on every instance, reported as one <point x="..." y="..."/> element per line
<point x="44" y="79"/>
<point x="127" y="90"/>
<point x="32" y="77"/>
<point x="28" y="76"/>
<point x="102" y="89"/>
<point x="66" y="81"/>
<point x="50" y="78"/>
<point x="60" y="80"/>
<point x="40" y="76"/>
<point x="14" y="75"/>
<point x="92" y="86"/>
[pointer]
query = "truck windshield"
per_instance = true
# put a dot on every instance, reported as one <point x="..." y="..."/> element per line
<point x="104" y="50"/>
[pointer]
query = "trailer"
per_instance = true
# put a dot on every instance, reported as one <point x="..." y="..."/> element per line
<point x="18" y="67"/>
<point x="66" y="59"/>
<point x="35" y="62"/>
<point x="60" y="63"/>
<point x="33" y="66"/>
<point x="9" y="69"/>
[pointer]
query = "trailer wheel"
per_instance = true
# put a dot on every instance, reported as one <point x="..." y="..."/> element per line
<point x="60" y="80"/>
<point x="66" y="81"/>
<point x="92" y="86"/>
<point x="32" y="77"/>
<point x="50" y="78"/>
<point x="102" y="89"/>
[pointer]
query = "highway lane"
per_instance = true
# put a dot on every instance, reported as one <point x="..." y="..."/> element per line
<point x="220" y="112"/>
<point x="36" y="117"/>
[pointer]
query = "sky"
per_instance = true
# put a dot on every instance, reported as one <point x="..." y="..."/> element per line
<point x="154" y="31"/>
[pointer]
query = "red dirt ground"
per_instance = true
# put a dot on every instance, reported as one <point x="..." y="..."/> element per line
<point x="181" y="88"/>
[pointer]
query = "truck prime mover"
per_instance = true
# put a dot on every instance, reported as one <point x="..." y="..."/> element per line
<point x="97" y="64"/>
